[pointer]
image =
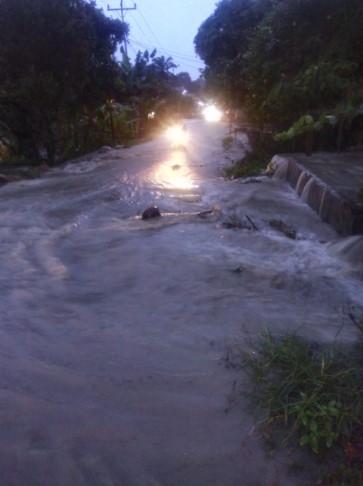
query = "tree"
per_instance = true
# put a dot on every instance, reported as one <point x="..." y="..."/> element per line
<point x="161" y="67"/>
<point x="56" y="58"/>
<point x="305" y="56"/>
<point x="222" y="41"/>
<point x="285" y="59"/>
<point x="148" y="82"/>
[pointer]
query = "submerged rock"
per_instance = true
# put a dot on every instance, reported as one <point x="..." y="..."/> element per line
<point x="105" y="149"/>
<point x="152" y="212"/>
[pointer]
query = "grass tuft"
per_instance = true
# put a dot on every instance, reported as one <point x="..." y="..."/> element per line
<point x="227" y="142"/>
<point x="307" y="391"/>
<point x="251" y="165"/>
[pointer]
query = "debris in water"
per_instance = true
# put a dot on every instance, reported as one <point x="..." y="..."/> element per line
<point x="152" y="212"/>
<point x="204" y="214"/>
<point x="237" y="269"/>
<point x="284" y="228"/>
<point x="252" y="180"/>
<point x="233" y="222"/>
<point x="254" y="227"/>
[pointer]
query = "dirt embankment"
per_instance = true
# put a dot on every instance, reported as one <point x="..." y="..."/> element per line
<point x="17" y="172"/>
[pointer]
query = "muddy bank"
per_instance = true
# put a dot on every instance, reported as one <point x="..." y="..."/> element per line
<point x="13" y="173"/>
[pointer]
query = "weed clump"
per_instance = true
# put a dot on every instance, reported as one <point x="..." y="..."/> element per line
<point x="251" y="165"/>
<point x="304" y="389"/>
<point x="308" y="394"/>
<point x="284" y="228"/>
<point x="227" y="142"/>
<point x="256" y="160"/>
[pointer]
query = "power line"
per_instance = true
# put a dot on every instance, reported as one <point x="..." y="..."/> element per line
<point x="150" y="29"/>
<point x="122" y="9"/>
<point x="133" y="49"/>
<point x="142" y="31"/>
<point x="184" y="57"/>
<point x="181" y="56"/>
<point x="186" y="64"/>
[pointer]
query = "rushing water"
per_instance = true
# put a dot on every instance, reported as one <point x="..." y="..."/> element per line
<point x="329" y="183"/>
<point x="112" y="327"/>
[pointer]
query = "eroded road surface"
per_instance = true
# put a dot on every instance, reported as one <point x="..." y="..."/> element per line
<point x="113" y="329"/>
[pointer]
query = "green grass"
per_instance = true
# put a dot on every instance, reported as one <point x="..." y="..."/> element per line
<point x="307" y="389"/>
<point x="227" y="142"/>
<point x="264" y="147"/>
<point x="251" y="165"/>
<point x="309" y="395"/>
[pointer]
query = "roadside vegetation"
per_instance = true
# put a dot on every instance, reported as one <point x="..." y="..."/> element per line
<point x="67" y="87"/>
<point x="294" y="71"/>
<point x="251" y="165"/>
<point x="255" y="160"/>
<point x="294" y="67"/>
<point x="307" y="395"/>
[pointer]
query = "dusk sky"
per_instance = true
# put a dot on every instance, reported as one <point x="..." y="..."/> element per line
<point x="167" y="25"/>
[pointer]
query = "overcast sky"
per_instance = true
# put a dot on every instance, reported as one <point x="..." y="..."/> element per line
<point x="167" y="25"/>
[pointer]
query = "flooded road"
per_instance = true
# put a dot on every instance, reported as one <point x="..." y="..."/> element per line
<point x="113" y="329"/>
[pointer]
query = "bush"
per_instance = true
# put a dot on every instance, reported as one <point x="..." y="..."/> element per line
<point x="252" y="164"/>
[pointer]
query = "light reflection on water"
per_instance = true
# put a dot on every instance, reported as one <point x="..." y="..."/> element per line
<point x="175" y="172"/>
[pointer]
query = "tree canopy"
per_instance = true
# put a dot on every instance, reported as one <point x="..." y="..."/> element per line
<point x="56" y="58"/>
<point x="281" y="59"/>
<point x="64" y="89"/>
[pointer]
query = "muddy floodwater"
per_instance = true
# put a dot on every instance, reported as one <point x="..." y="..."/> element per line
<point x="113" y="328"/>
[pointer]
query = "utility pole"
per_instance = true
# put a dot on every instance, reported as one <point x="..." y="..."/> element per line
<point x="122" y="10"/>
